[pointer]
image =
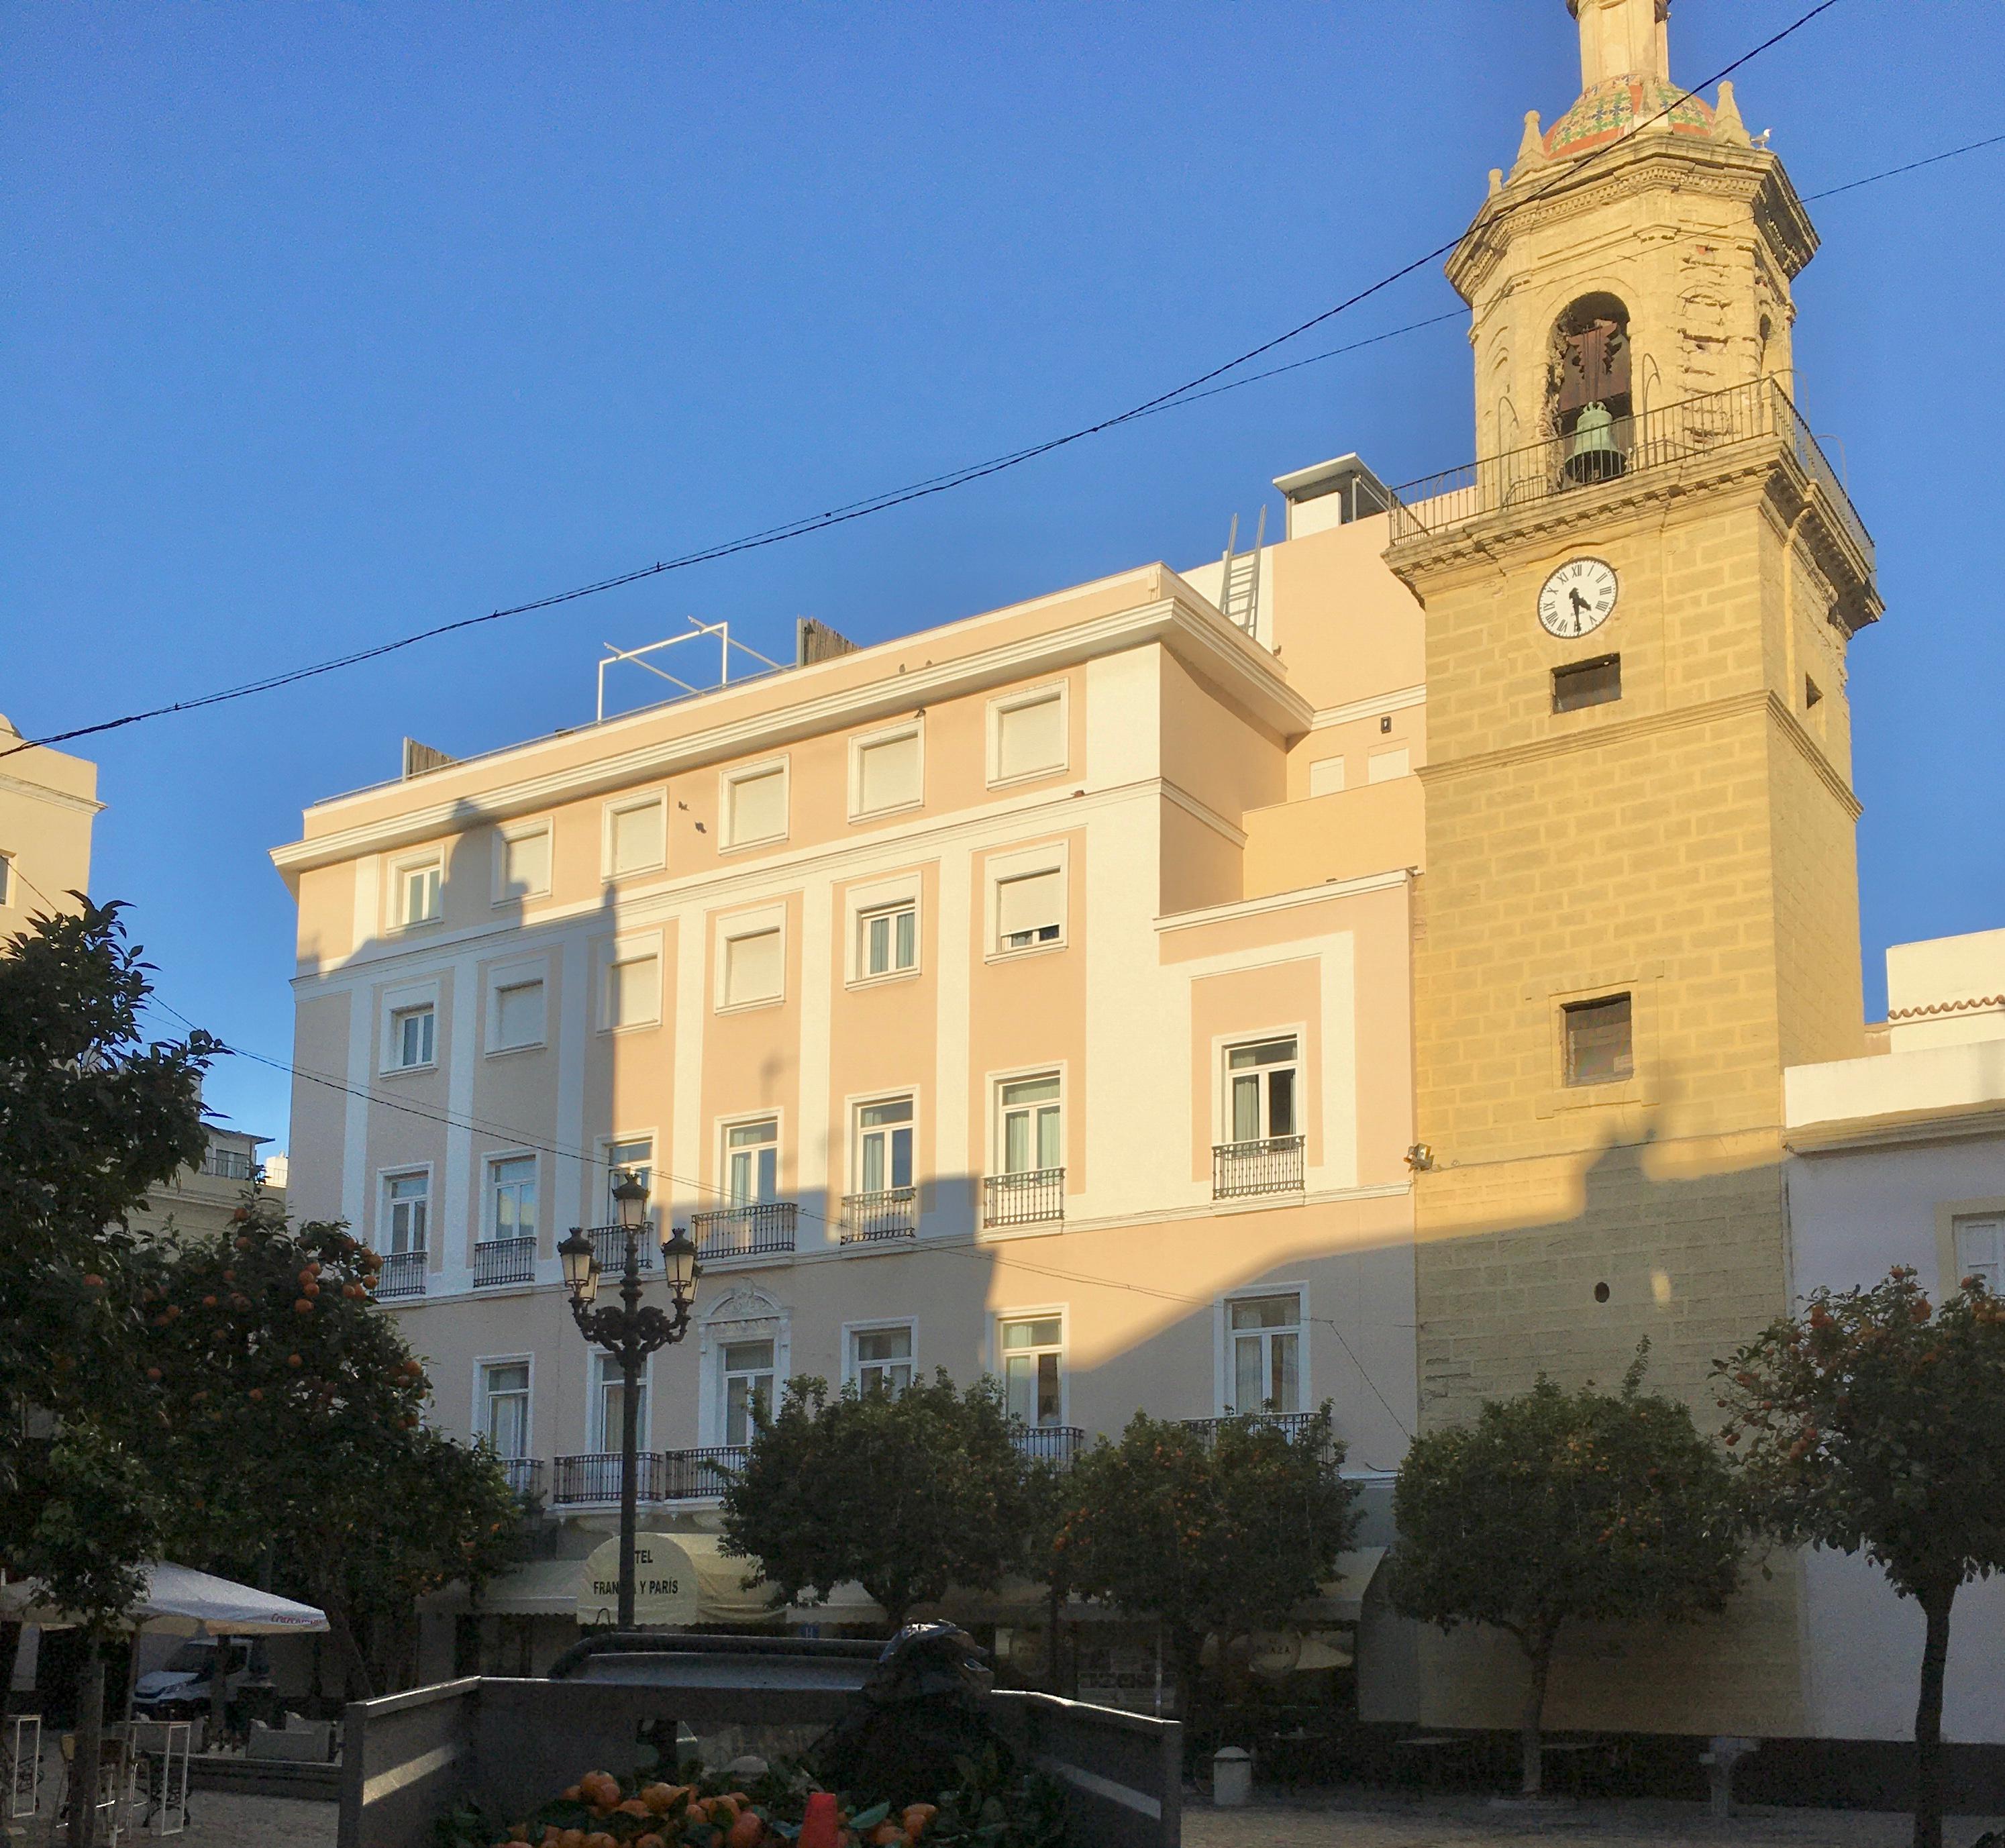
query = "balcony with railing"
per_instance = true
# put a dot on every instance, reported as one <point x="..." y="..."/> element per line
<point x="594" y="1478"/>
<point x="890" y="1216"/>
<point x="402" y="1274"/>
<point x="609" y="1243"/>
<point x="701" y="1474"/>
<point x="1058" y="1444"/>
<point x="526" y="1474"/>
<point x="1032" y="1198"/>
<point x="1718" y="428"/>
<point x="761" y="1228"/>
<point x="1244" y="1170"/>
<point x="1293" y="1425"/>
<point x="227" y="1165"/>
<point x="505" y="1261"/>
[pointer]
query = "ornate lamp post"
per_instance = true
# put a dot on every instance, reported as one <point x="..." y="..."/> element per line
<point x="630" y="1334"/>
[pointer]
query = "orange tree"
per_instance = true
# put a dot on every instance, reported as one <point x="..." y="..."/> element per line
<point x="1875" y="1423"/>
<point x="1216" y="1532"/>
<point x="289" y="1413"/>
<point x="1555" y="1508"/>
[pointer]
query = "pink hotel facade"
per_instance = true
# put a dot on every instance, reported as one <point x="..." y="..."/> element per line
<point x="1028" y="995"/>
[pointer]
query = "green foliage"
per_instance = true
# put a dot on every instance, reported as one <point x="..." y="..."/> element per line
<point x="1876" y="1423"/>
<point x="99" y="1522"/>
<point x="1218" y="1537"/>
<point x="905" y="1495"/>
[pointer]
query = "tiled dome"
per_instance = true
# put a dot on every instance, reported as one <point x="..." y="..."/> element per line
<point x="1610" y="110"/>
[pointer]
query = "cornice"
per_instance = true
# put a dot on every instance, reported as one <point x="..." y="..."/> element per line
<point x="1378" y="706"/>
<point x="56" y="799"/>
<point x="1895" y="1128"/>
<point x="1281" y="902"/>
<point x="1190" y="629"/>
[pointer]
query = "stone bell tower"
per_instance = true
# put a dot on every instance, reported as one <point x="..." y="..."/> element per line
<point x="1641" y="899"/>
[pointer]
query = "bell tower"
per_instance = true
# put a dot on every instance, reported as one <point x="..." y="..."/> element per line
<point x="1640" y="896"/>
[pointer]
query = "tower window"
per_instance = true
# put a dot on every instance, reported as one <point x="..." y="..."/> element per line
<point x="1589" y="402"/>
<point x="1813" y="692"/>
<point x="1598" y="1048"/>
<point x="1587" y="683"/>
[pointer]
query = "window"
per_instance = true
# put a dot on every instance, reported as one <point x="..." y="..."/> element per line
<point x="420" y="893"/>
<point x="880" y="1359"/>
<point x="1388" y="766"/>
<point x="1980" y="1250"/>
<point x="406" y="1207"/>
<point x="1261" y="1084"/>
<point x="1031" y="1136"/>
<point x="1030" y="910"/>
<point x="1813" y="692"/>
<point x="1326" y="776"/>
<point x="511" y="1189"/>
<point x="411" y="1037"/>
<point x="1027" y="735"/>
<point x="634" y="988"/>
<point x="522" y="861"/>
<point x="748" y="1387"/>
<point x="1266" y="1336"/>
<point x="887" y="940"/>
<point x="6" y="879"/>
<point x="636" y="837"/>
<point x="1033" y="1369"/>
<point x="884" y="1145"/>
<point x="755" y="804"/>
<point x="608" y="1406"/>
<point x="752" y="1161"/>
<point x="753" y="968"/>
<point x="634" y="1156"/>
<point x="1587" y="683"/>
<point x="886" y="772"/>
<point x="1598" y="1045"/>
<point x="518" y="1018"/>
<point x="505" y="1406"/>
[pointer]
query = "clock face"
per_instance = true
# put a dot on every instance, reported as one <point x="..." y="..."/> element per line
<point x="1578" y="597"/>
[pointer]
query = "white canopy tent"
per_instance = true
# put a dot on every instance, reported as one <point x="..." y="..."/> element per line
<point x="179" y="1601"/>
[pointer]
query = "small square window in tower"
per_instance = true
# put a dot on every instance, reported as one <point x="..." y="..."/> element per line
<point x="1599" y="1047"/>
<point x="1582" y="684"/>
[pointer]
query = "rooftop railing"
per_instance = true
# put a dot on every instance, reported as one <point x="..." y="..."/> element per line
<point x="227" y="1165"/>
<point x="759" y="1228"/>
<point x="1698" y="429"/>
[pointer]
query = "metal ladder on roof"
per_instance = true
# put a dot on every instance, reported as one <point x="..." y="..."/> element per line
<point x="1239" y="587"/>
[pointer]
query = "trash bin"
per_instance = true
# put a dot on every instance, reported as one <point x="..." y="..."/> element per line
<point x="1231" y="1778"/>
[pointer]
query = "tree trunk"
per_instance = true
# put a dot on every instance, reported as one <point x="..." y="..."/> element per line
<point x="1054" y="1611"/>
<point x="356" y="1684"/>
<point x="1539" y="1653"/>
<point x="1936" y="1604"/>
<point x="83" y="1772"/>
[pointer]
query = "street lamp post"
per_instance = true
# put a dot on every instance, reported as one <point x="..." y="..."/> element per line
<point x="630" y="1334"/>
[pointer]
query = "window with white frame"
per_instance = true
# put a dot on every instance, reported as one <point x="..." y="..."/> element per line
<point x="522" y="861"/>
<point x="608" y="1405"/>
<point x="406" y="1212"/>
<point x="1034" y="1368"/>
<point x="633" y="992"/>
<point x="1027" y="734"/>
<point x="1030" y="909"/>
<point x="887" y="938"/>
<point x="885" y="772"/>
<point x="883" y="1145"/>
<point x="505" y="1406"/>
<point x="420" y="892"/>
<point x="1980" y="1249"/>
<point x="880" y="1359"/>
<point x="752" y="1161"/>
<point x="754" y="967"/>
<point x="754" y="805"/>
<point x="6" y="879"/>
<point x="1030" y="1129"/>
<point x="1266" y="1338"/>
<point x="636" y="835"/>
<point x="511" y="1197"/>
<point x="1261" y="1085"/>
<point x="634" y="1155"/>
<point x="748" y="1370"/>
<point x="518" y="1019"/>
<point x="413" y="1037"/>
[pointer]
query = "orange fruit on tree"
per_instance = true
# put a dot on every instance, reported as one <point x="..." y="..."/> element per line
<point x="889" y="1835"/>
<point x="633" y="1806"/>
<point x="302" y="1306"/>
<point x="748" y="1832"/>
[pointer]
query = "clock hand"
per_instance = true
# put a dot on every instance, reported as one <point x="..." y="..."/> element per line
<point x="1579" y="602"/>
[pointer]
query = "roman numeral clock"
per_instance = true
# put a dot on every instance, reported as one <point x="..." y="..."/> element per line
<point x="1578" y="598"/>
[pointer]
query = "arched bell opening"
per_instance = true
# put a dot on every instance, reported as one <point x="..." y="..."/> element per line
<point x="1591" y="406"/>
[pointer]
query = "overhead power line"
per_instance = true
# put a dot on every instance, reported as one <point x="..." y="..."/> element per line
<point x="1890" y="173"/>
<point x="1191" y="390"/>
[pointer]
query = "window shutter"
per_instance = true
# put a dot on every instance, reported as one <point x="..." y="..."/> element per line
<point x="1980" y="1246"/>
<point x="752" y="970"/>
<point x="1030" y="904"/>
<point x="759" y="807"/>
<point x="635" y="991"/>
<point x="525" y="865"/>
<point x="1030" y="738"/>
<point x="887" y="774"/>
<point x="636" y="838"/>
<point x="519" y="1014"/>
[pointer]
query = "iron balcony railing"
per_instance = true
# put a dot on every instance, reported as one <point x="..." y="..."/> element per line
<point x="1273" y="1165"/>
<point x="701" y="1474"/>
<point x="1699" y="430"/>
<point x="595" y="1477"/>
<point x="227" y="1164"/>
<point x="1050" y="1443"/>
<point x="1024" y="1198"/>
<point x="505" y="1261"/>
<point x="402" y="1274"/>
<point x="1291" y="1425"/>
<point x="752" y="1230"/>
<point x="609" y="1243"/>
<point x="891" y="1213"/>
<point x="525" y="1474"/>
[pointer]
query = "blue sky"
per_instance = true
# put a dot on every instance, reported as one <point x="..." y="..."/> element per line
<point x="328" y="322"/>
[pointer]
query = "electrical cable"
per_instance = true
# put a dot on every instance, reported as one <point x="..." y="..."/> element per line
<point x="1969" y="147"/>
<point x="1191" y="390"/>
